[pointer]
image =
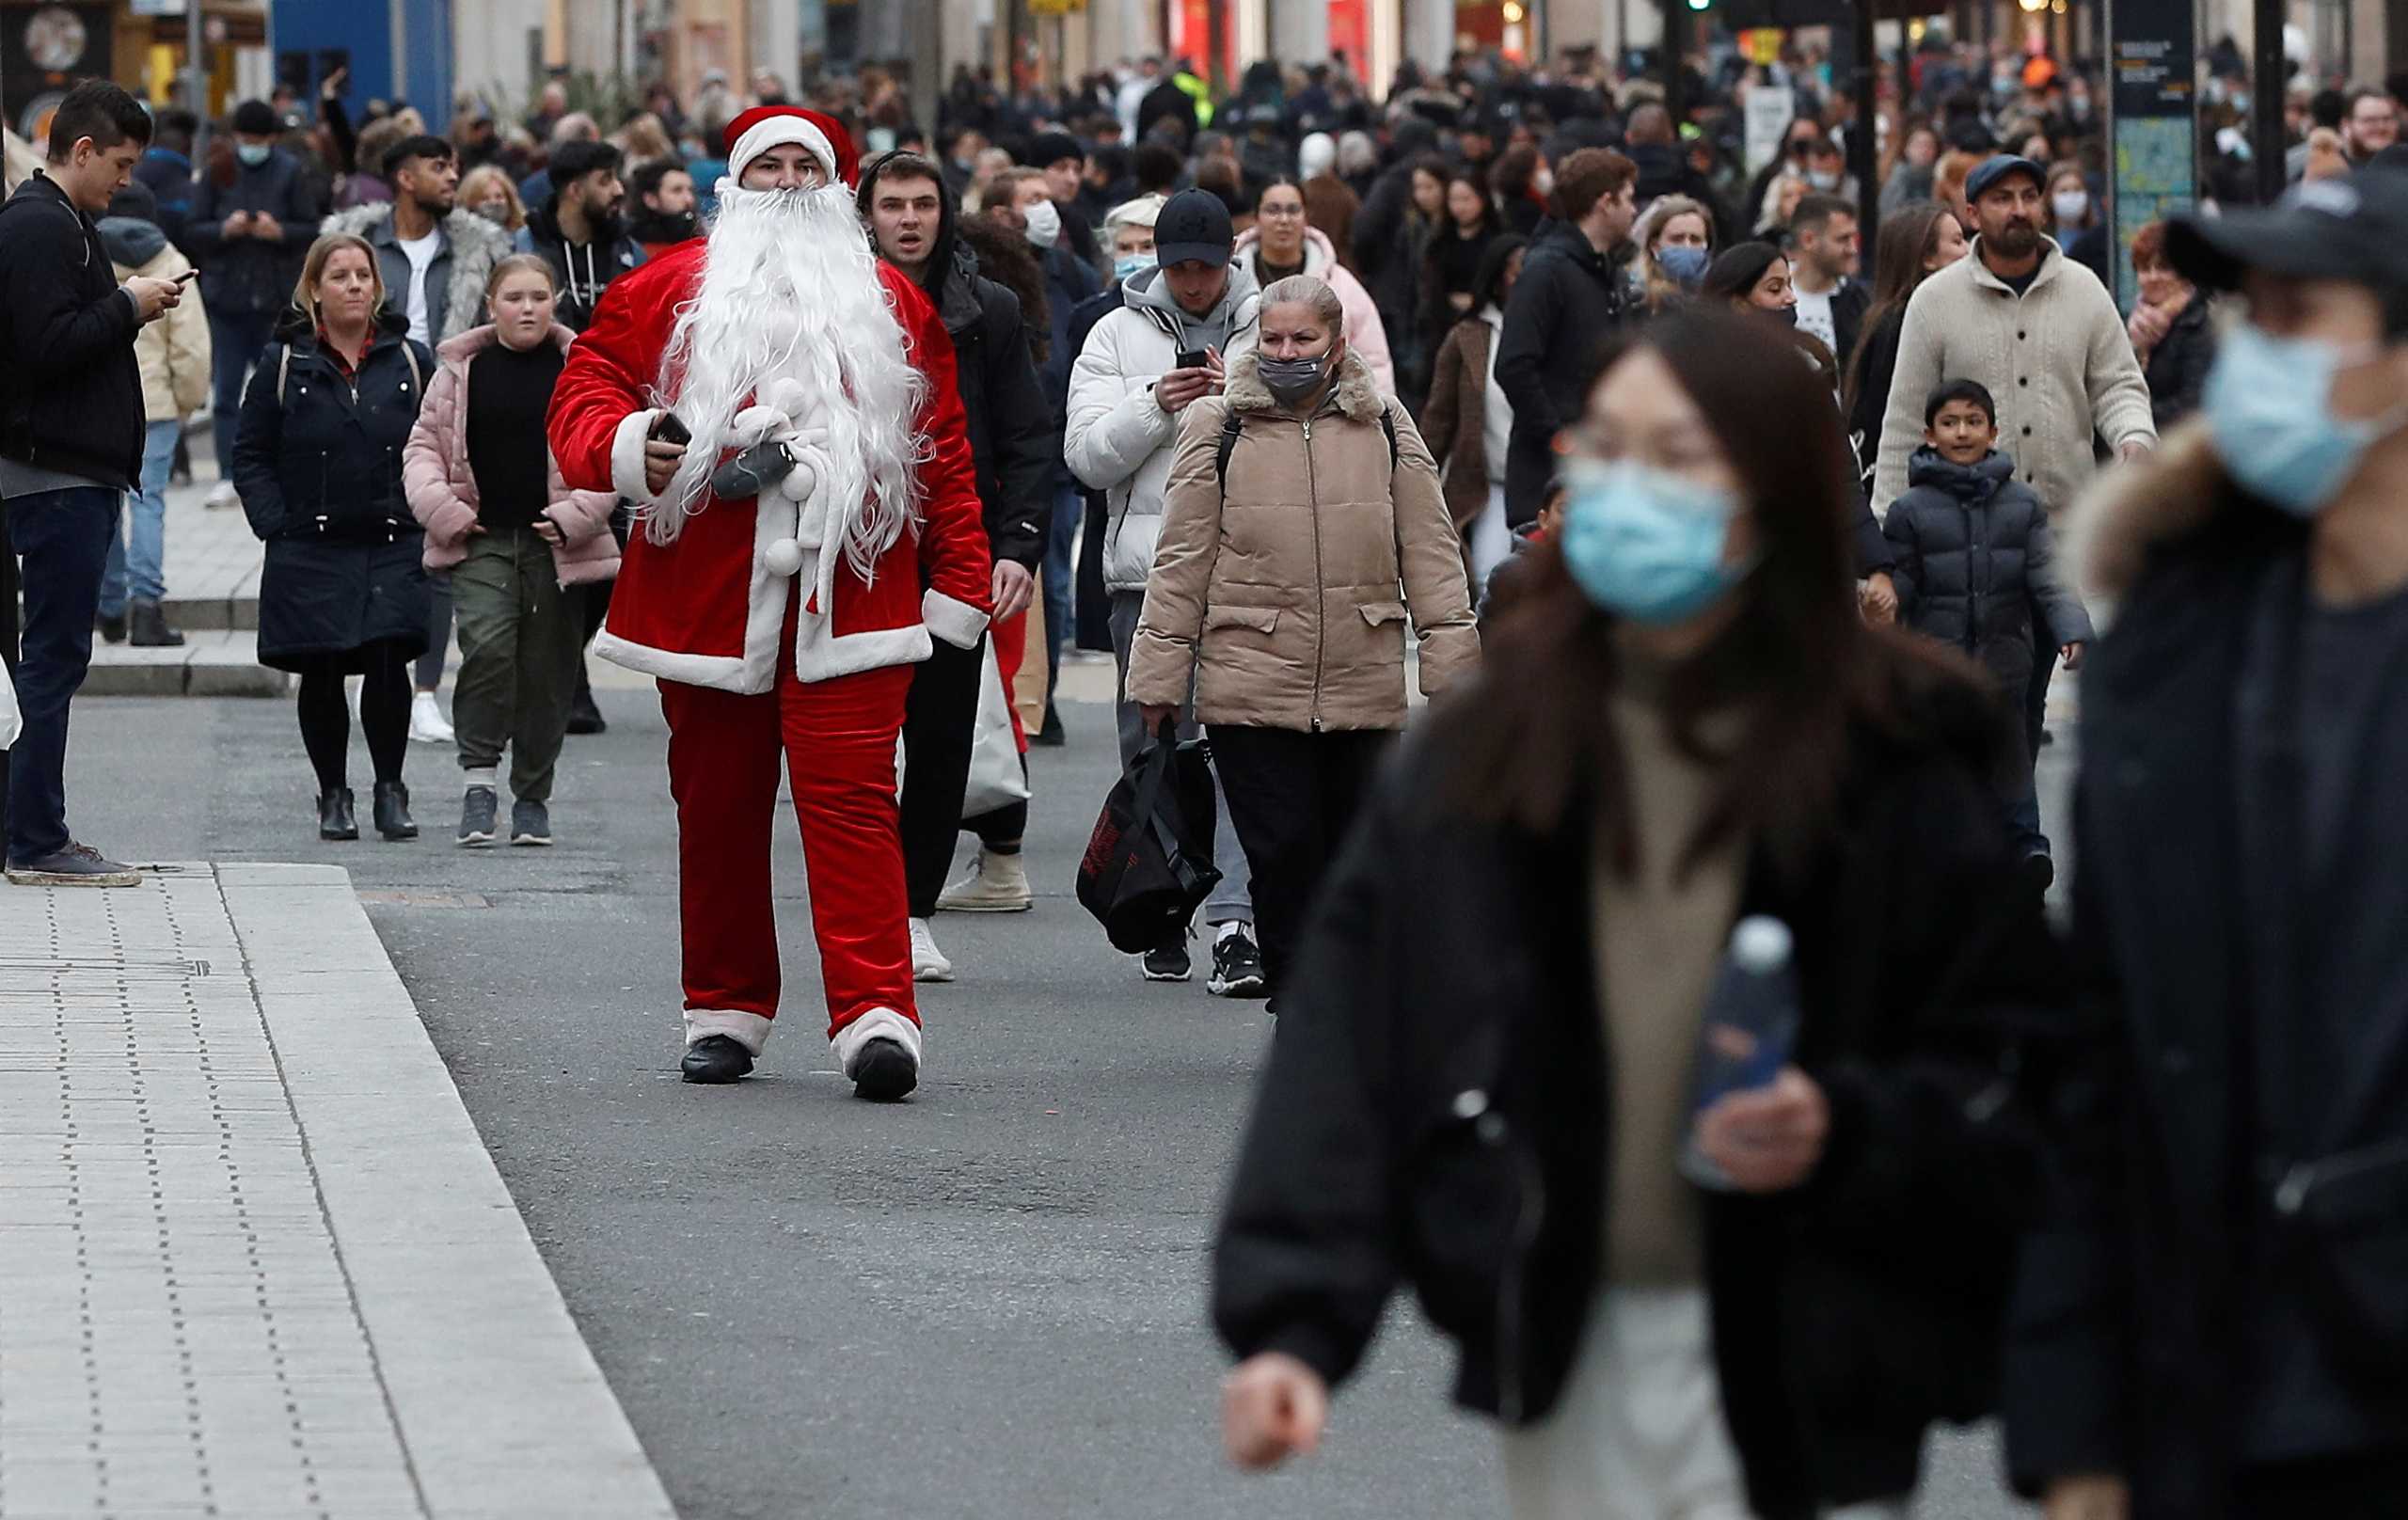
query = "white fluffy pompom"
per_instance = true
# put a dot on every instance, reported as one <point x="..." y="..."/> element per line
<point x="800" y="481"/>
<point x="752" y="425"/>
<point x="784" y="556"/>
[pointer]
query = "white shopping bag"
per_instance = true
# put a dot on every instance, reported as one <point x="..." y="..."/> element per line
<point x="11" y="724"/>
<point x="995" y="778"/>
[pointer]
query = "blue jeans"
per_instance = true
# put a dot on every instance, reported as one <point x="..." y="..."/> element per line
<point x="63" y="537"/>
<point x="137" y="556"/>
<point x="235" y="339"/>
<point x="1061" y="536"/>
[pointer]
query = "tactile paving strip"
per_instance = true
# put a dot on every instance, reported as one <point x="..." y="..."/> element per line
<point x="177" y="1333"/>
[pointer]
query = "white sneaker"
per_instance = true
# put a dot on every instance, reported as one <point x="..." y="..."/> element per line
<point x="996" y="884"/>
<point x="426" y="721"/>
<point x="929" y="963"/>
<point x="222" y="495"/>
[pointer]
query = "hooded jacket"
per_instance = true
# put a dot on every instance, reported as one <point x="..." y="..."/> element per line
<point x="466" y="248"/>
<point x="1568" y="299"/>
<point x="1118" y="438"/>
<point x="1366" y="334"/>
<point x="580" y="271"/>
<point x="1285" y="597"/>
<point x="173" y="351"/>
<point x="70" y="391"/>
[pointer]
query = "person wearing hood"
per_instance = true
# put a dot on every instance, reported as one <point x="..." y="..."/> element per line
<point x="911" y="215"/>
<point x="174" y="356"/>
<point x="1330" y="205"/>
<point x="1179" y="326"/>
<point x="317" y="461"/>
<point x="665" y="206"/>
<point x="1282" y="241"/>
<point x="251" y="223"/>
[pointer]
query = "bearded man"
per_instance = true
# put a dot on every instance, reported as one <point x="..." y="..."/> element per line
<point x="792" y="562"/>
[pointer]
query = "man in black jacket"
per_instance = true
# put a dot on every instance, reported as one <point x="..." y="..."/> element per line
<point x="911" y="215"/>
<point x="1569" y="299"/>
<point x="71" y="446"/>
<point x="1825" y="252"/>
<point x="2219" y="1321"/>
<point x="580" y="231"/>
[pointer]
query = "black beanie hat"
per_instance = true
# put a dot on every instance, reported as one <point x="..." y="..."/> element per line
<point x="256" y="118"/>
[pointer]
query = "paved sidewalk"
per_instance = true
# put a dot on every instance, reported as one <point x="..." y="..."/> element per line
<point x="254" y="1258"/>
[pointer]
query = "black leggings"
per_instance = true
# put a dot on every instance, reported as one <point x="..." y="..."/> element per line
<point x="384" y="715"/>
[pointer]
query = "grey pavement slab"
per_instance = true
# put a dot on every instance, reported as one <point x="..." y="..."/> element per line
<point x="209" y="663"/>
<point x="254" y="1258"/>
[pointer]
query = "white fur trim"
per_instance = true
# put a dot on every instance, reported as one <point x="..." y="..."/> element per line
<point x="879" y="1023"/>
<point x="823" y="659"/>
<point x="626" y="456"/>
<point x="952" y="620"/>
<point x="777" y="131"/>
<point x="749" y="1030"/>
<point x="720" y="672"/>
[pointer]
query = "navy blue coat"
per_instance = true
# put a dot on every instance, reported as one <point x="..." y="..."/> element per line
<point x="248" y="273"/>
<point x="317" y="461"/>
<point x="1974" y="555"/>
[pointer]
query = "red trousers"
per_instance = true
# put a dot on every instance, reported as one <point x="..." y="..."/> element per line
<point x="837" y="739"/>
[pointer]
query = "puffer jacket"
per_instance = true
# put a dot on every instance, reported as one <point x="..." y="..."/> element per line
<point x="1366" y="334"/>
<point x="1287" y="594"/>
<point x="1118" y="438"/>
<point x="1974" y="555"/>
<point x="442" y="488"/>
<point x="172" y="349"/>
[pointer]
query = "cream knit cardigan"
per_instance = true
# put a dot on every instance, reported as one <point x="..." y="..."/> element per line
<point x="2057" y="360"/>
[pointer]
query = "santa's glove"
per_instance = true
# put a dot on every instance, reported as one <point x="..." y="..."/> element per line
<point x="754" y="423"/>
<point x="751" y="472"/>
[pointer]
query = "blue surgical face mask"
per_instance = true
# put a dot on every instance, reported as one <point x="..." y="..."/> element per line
<point x="1129" y="265"/>
<point x="2269" y="406"/>
<point x="1684" y="263"/>
<point x="253" y="153"/>
<point x="1646" y="543"/>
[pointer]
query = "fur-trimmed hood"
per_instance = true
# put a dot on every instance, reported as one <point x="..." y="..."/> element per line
<point x="1355" y="394"/>
<point x="471" y="244"/>
<point x="2133" y="511"/>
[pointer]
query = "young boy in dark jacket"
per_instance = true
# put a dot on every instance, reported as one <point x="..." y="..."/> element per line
<point x="1975" y="558"/>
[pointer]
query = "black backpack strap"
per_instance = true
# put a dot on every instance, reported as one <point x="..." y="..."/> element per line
<point x="1233" y="424"/>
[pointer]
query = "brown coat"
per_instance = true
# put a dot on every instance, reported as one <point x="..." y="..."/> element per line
<point x="1287" y="596"/>
<point x="1329" y="209"/>
<point x="1453" y="423"/>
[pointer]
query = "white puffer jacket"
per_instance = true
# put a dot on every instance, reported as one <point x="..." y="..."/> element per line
<point x="1118" y="439"/>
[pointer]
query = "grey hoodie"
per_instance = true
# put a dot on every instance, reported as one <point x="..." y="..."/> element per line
<point x="1148" y="290"/>
<point x="131" y="241"/>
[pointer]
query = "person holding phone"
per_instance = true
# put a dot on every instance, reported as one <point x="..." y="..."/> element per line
<point x="1483" y="1077"/>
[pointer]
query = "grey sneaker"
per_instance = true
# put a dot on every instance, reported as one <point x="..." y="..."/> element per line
<point x="77" y="866"/>
<point x="530" y="823"/>
<point x="477" y="808"/>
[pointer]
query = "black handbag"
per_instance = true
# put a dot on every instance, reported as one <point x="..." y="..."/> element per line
<point x="2348" y="1215"/>
<point x="1148" y="864"/>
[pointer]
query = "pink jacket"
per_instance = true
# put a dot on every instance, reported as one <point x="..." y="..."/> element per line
<point x="442" y="489"/>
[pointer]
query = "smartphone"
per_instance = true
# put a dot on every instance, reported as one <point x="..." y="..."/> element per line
<point x="188" y="276"/>
<point x="1191" y="358"/>
<point x="669" y="430"/>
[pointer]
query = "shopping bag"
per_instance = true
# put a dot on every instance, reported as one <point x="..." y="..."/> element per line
<point x="11" y="724"/>
<point x="1148" y="864"/>
<point x="996" y="778"/>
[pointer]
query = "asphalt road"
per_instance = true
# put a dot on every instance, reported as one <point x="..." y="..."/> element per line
<point x="988" y="1301"/>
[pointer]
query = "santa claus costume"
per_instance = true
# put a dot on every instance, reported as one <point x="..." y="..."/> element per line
<point x="784" y="624"/>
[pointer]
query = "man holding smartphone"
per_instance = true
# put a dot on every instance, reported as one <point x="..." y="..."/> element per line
<point x="1178" y="325"/>
<point x="71" y="446"/>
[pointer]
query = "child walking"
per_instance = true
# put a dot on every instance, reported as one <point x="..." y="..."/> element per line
<point x="1975" y="558"/>
<point x="481" y="481"/>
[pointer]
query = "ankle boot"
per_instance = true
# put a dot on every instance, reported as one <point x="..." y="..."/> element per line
<point x="148" y="627"/>
<point x="393" y="810"/>
<point x="335" y="817"/>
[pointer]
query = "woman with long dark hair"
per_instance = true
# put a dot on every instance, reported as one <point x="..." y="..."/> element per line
<point x="1468" y="423"/>
<point x="1719" y="737"/>
<point x="1451" y="266"/>
<point x="1916" y="242"/>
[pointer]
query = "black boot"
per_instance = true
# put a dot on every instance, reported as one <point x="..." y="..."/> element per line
<point x="113" y="628"/>
<point x="393" y="810"/>
<point x="148" y="626"/>
<point x="335" y="817"/>
<point x="716" y="1058"/>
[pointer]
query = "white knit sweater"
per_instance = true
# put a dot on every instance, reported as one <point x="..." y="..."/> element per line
<point x="2057" y="360"/>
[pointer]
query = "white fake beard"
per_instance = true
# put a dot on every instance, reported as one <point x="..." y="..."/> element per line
<point x="790" y="289"/>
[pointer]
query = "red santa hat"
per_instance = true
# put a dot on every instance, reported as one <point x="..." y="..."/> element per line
<point x="764" y="127"/>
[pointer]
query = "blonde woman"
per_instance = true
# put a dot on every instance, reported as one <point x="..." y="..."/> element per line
<point x="318" y="462"/>
<point x="1675" y="242"/>
<point x="487" y="192"/>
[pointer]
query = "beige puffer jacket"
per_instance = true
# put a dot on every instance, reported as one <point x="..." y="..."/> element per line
<point x="173" y="351"/>
<point x="1288" y="598"/>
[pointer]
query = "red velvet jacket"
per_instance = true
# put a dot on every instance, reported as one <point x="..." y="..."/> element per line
<point x="707" y="609"/>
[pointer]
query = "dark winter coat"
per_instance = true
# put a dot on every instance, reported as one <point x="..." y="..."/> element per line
<point x="319" y="466"/>
<point x="1013" y="434"/>
<point x="2177" y="366"/>
<point x="1435" y="1113"/>
<point x="1091" y="600"/>
<point x="1568" y="301"/>
<point x="1874" y="368"/>
<point x="167" y="175"/>
<point x="1849" y="304"/>
<point x="249" y="275"/>
<point x="1973" y="559"/>
<point x="70" y="388"/>
<point x="580" y="271"/>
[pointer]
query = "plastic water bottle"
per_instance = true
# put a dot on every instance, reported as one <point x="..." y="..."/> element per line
<point x="1748" y="1029"/>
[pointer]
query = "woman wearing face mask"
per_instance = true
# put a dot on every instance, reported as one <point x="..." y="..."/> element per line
<point x="482" y="481"/>
<point x="2171" y="331"/>
<point x="1468" y="423"/>
<point x="2075" y="221"/>
<point x="488" y="192"/>
<point x="1916" y="242"/>
<point x="1718" y="738"/>
<point x="1675" y="240"/>
<point x="1281" y="242"/>
<point x="1303" y="527"/>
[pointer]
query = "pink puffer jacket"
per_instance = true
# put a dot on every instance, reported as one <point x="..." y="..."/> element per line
<point x="442" y="489"/>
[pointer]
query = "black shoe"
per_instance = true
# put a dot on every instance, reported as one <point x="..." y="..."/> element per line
<point x="148" y="627"/>
<point x="77" y="866"/>
<point x="113" y="628"/>
<point x="2038" y="873"/>
<point x="477" y="805"/>
<point x="716" y="1058"/>
<point x="1237" y="968"/>
<point x="584" y="715"/>
<point x="1168" y="962"/>
<point x="884" y="1071"/>
<point x="335" y="818"/>
<point x="1051" y="733"/>
<point x="530" y="823"/>
<point x="393" y="810"/>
